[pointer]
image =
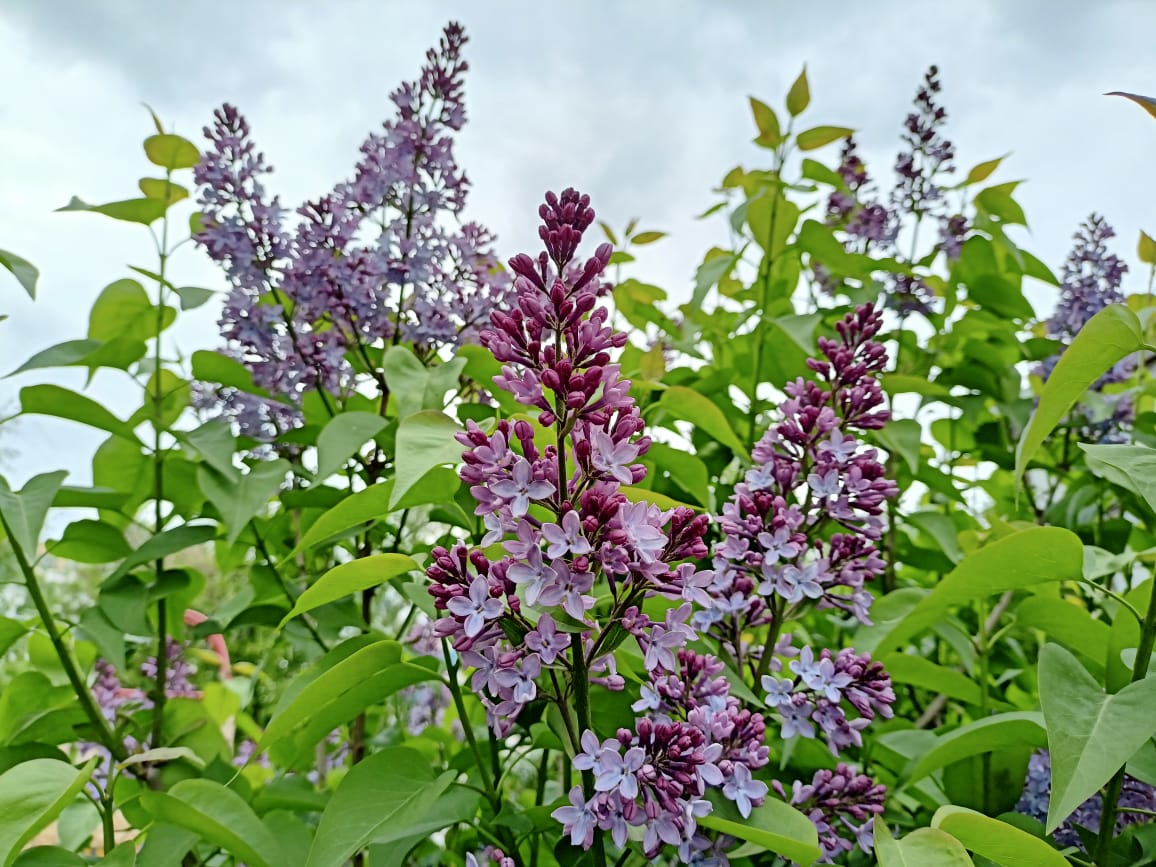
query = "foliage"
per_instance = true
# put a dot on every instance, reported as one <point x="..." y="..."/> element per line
<point x="847" y="559"/>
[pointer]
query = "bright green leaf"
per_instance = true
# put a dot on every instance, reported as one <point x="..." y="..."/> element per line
<point x="163" y="544"/>
<point x="775" y="826"/>
<point x="688" y="405"/>
<point x="923" y="847"/>
<point x="352" y="577"/>
<point x="922" y="672"/>
<point x="767" y="122"/>
<point x="995" y="840"/>
<point x="647" y="238"/>
<point x="985" y="735"/>
<point x="1131" y="467"/>
<point x="1110" y="335"/>
<point x="171" y="151"/>
<point x="143" y="211"/>
<point x="32" y="795"/>
<point x="60" y="402"/>
<point x="819" y="136"/>
<point x="983" y="171"/>
<point x="799" y="96"/>
<point x="88" y="541"/>
<point x="424" y="440"/>
<point x="159" y="188"/>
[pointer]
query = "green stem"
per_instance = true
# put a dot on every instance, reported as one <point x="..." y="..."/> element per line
<point x="162" y="655"/>
<point x="582" y="709"/>
<point x="1116" y="785"/>
<point x="104" y="732"/>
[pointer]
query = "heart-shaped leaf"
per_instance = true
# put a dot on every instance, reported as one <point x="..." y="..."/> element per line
<point x="1091" y="734"/>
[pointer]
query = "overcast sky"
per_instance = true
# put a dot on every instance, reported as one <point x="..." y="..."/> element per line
<point x="643" y="105"/>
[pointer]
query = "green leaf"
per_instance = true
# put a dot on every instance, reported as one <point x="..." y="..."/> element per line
<point x="123" y="309"/>
<point x="1091" y="734"/>
<point x="209" y="366"/>
<point x="118" y="353"/>
<point x="166" y="191"/>
<point x="1034" y="556"/>
<point x="193" y="297"/>
<point x="983" y="171"/>
<point x="218" y="815"/>
<point x="50" y="856"/>
<point x="456" y="805"/>
<point x="381" y="799"/>
<point x="163" y="544"/>
<point x="215" y="443"/>
<point x="775" y="826"/>
<point x="1133" y="468"/>
<point x="353" y="511"/>
<point x="923" y="847"/>
<point x="143" y="211"/>
<point x="171" y="151"/>
<point x="647" y="238"/>
<point x="62" y="403"/>
<point x="424" y="440"/>
<point x="995" y="840"/>
<point x="767" y="122"/>
<point x="985" y="735"/>
<point x="688" y="405"/>
<point x="88" y="541"/>
<point x="32" y="795"/>
<point x="922" y="672"/>
<point x="1110" y="335"/>
<point x="799" y="96"/>
<point x="343" y="437"/>
<point x="351" y="577"/>
<point x="23" y="512"/>
<point x="817" y="137"/>
<point x="11" y="631"/>
<point x="686" y="470"/>
<point x="337" y="690"/>
<point x="1145" y="102"/>
<point x="415" y="387"/>
<point x="1066" y="623"/>
<point x="1146" y="249"/>
<point x="902" y="438"/>
<point x="999" y="202"/>
<point x="25" y="272"/>
<point x="239" y="502"/>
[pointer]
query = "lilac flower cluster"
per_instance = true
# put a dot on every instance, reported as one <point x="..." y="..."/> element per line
<point x="861" y="217"/>
<point x="818" y="687"/>
<point x="570" y="536"/>
<point x="490" y="855"/>
<point x="1137" y="801"/>
<point x="842" y="805"/>
<point x="928" y="152"/>
<point x="1090" y="281"/>
<point x="370" y="262"/>
<point x="802" y="526"/>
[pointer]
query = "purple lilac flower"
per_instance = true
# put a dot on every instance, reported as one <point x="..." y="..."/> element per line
<point x="820" y="688"/>
<point x="928" y="153"/>
<point x="1090" y="281"/>
<point x="372" y="261"/>
<point x="802" y="526"/>
<point x="567" y="528"/>
<point x="842" y="805"/>
<point x="1137" y="800"/>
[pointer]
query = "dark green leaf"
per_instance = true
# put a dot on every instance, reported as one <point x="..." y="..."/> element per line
<point x="24" y="511"/>
<point x="1091" y="734"/>
<point x="380" y="800"/>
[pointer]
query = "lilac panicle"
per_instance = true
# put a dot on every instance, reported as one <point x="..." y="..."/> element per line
<point x="802" y="526"/>
<point x="842" y="805"/>
<point x="1137" y="801"/>
<point x="1090" y="281"/>
<point x="928" y="153"/>
<point x="372" y="261"/>
<point x="570" y="534"/>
